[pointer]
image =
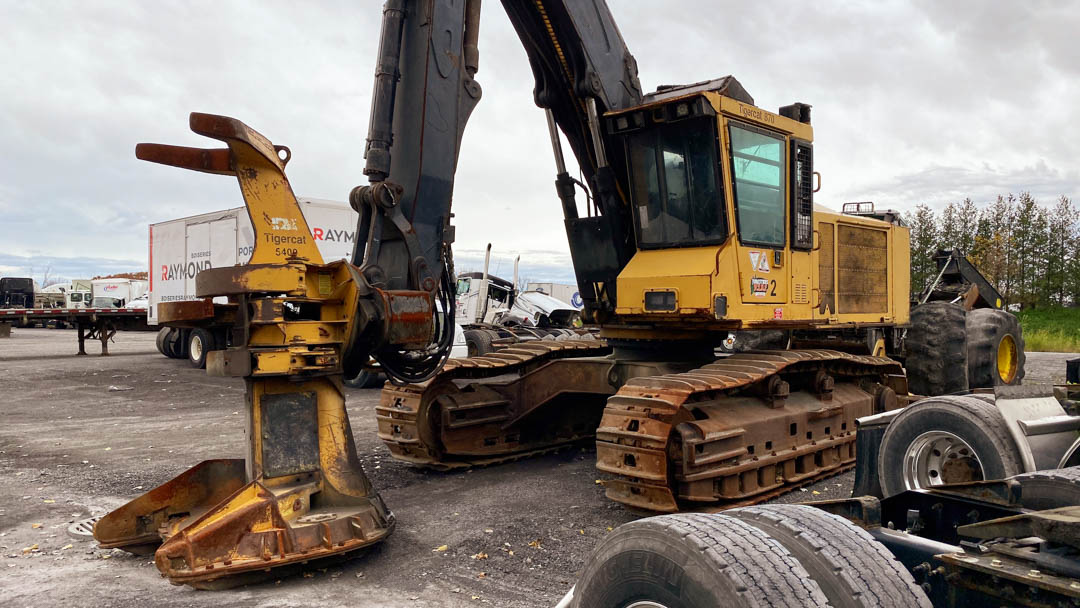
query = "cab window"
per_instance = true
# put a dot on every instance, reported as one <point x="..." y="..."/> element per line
<point x="757" y="159"/>
<point x="462" y="286"/>
<point x="674" y="184"/>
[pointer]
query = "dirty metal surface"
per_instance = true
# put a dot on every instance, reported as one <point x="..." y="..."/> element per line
<point x="409" y="318"/>
<point x="731" y="432"/>
<point x="290" y="439"/>
<point x="448" y="423"/>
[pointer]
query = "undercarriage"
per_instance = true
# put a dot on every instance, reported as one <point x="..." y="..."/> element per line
<point x="677" y="434"/>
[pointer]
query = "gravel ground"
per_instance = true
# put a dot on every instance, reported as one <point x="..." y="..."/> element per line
<point x="83" y="435"/>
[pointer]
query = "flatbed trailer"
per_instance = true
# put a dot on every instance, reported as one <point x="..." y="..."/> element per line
<point x="90" y="323"/>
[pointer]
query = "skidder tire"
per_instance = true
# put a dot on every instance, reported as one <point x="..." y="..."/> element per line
<point x="199" y="343"/>
<point x="946" y="440"/>
<point x="995" y="348"/>
<point x="1050" y="489"/>
<point x="936" y="356"/>
<point x="852" y="569"/>
<point x="694" y="561"/>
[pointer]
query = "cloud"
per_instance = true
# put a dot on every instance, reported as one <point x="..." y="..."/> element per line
<point x="67" y="268"/>
<point x="913" y="102"/>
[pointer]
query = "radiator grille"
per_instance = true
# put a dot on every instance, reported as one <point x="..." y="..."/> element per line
<point x="863" y="265"/>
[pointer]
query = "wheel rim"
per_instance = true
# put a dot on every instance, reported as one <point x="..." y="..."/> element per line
<point x="645" y="604"/>
<point x="196" y="348"/>
<point x="938" y="458"/>
<point x="1007" y="359"/>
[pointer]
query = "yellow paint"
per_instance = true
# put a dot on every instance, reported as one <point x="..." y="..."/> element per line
<point x="785" y="291"/>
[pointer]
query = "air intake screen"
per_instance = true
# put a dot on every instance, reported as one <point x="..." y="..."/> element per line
<point x="802" y="196"/>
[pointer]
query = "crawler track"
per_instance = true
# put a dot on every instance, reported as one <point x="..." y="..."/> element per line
<point x="739" y="430"/>
<point x="423" y="423"/>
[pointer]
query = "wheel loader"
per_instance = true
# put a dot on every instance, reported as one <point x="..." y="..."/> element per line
<point x="698" y="220"/>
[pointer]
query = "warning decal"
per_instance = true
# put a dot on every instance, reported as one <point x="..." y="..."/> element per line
<point x="759" y="287"/>
<point x="759" y="261"/>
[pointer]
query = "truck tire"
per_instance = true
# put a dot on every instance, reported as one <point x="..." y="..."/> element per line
<point x="692" y="560"/>
<point x="946" y="440"/>
<point x="852" y="569"/>
<point x="199" y="343"/>
<point x="1050" y="489"/>
<point x="935" y="352"/>
<point x="995" y="348"/>
<point x="478" y="342"/>
<point x="175" y="344"/>
<point x="162" y="334"/>
<point x="365" y="379"/>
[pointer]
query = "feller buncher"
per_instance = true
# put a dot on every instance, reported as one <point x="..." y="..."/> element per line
<point x="700" y="220"/>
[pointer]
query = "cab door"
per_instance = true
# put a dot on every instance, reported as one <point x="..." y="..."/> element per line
<point x="759" y="180"/>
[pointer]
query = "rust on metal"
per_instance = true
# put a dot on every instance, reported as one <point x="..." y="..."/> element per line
<point x="704" y="436"/>
<point x="301" y="493"/>
<point x="409" y="317"/>
<point x="190" y="310"/>
<point x="496" y="418"/>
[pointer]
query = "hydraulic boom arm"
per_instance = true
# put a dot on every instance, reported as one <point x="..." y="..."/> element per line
<point x="424" y="93"/>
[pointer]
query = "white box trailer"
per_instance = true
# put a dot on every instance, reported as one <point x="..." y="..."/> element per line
<point x="182" y="248"/>
<point x="559" y="291"/>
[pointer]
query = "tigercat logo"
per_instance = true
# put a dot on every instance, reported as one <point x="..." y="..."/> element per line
<point x="172" y="272"/>
<point x="280" y="223"/>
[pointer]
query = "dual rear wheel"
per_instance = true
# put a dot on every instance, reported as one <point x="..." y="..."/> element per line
<point x="773" y="555"/>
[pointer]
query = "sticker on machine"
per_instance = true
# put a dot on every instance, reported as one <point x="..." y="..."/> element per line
<point x="759" y="287"/>
<point x="759" y="261"/>
<point x="778" y="313"/>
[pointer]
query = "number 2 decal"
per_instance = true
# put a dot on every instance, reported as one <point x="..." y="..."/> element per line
<point x="772" y="287"/>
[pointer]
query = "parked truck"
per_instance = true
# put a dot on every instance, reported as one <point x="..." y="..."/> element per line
<point x="182" y="248"/>
<point x="115" y="293"/>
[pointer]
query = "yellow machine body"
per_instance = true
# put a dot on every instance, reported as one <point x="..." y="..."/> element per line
<point x="854" y="273"/>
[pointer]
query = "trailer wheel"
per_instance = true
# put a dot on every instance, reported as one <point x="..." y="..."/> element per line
<point x="995" y="348"/>
<point x="1050" y="489"/>
<point x="478" y="342"/>
<point x="944" y="440"/>
<point x="935" y="353"/>
<point x="852" y="569"/>
<point x="175" y="344"/>
<point x="162" y="335"/>
<point x="365" y="379"/>
<point x="693" y="561"/>
<point x="199" y="343"/>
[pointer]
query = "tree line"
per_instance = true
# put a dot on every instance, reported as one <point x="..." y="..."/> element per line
<point x="1028" y="250"/>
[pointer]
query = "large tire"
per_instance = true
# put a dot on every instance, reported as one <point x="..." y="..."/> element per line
<point x="365" y="379"/>
<point x="694" y="561"/>
<point x="1050" y="489"/>
<point x="199" y="343"/>
<point x="162" y="334"/>
<point x="935" y="353"/>
<point x="946" y="440"/>
<point x="176" y="344"/>
<point x="852" y="569"/>
<point x="995" y="348"/>
<point x="478" y="341"/>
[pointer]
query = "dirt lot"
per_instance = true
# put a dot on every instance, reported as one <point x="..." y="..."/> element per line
<point x="82" y="435"/>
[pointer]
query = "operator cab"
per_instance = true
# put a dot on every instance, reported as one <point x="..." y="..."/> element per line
<point x="720" y="191"/>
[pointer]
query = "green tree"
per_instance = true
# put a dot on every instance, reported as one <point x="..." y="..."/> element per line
<point x="925" y="238"/>
<point x="1062" y="252"/>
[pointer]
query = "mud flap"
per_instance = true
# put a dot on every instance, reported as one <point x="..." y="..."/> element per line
<point x="869" y="431"/>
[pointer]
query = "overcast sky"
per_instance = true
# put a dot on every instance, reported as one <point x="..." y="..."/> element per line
<point x="914" y="102"/>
